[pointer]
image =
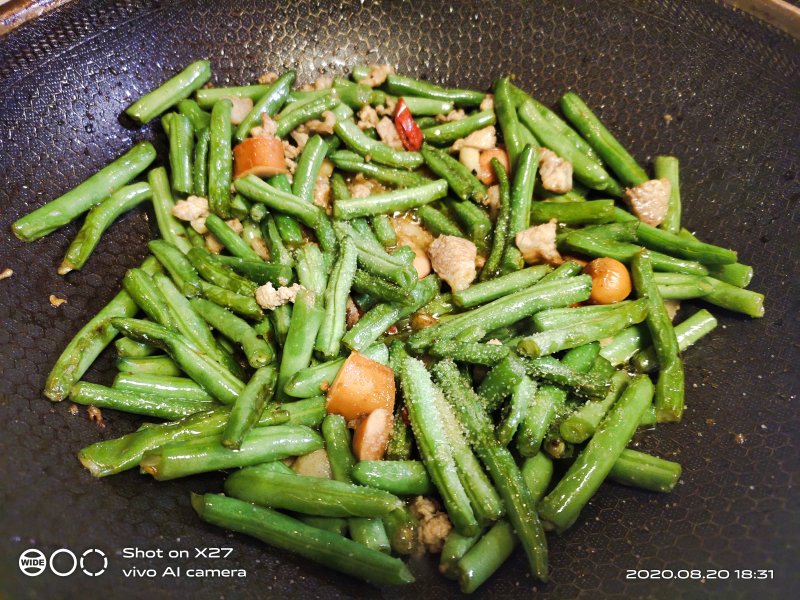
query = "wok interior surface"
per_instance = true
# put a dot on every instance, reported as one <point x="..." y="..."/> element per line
<point x="730" y="85"/>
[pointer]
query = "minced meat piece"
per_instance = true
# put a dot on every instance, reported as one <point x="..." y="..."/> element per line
<point x="650" y="200"/>
<point x="483" y="139"/>
<point x="377" y="75"/>
<point x="454" y="115"/>
<point x="434" y="525"/>
<point x="388" y="133"/>
<point x="270" y="298"/>
<point x="367" y="117"/>
<point x="538" y="244"/>
<point x="267" y="129"/>
<point x="453" y="259"/>
<point x="241" y="108"/>
<point x="556" y="172"/>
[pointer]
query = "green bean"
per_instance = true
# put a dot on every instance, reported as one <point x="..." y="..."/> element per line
<point x="308" y="412"/>
<point x="129" y="348"/>
<point x="559" y="124"/>
<point x="331" y="524"/>
<point x="177" y="265"/>
<point x="389" y="202"/>
<point x="447" y="133"/>
<point x="160" y="385"/>
<point x="220" y="159"/>
<point x="383" y="230"/>
<point x="98" y="220"/>
<point x="460" y="179"/>
<point x="169" y="227"/>
<point x="311" y="268"/>
<point x="378" y="319"/>
<point x="211" y="376"/>
<point x="521" y="401"/>
<point x="537" y="472"/>
<point x="595" y="133"/>
<point x="346" y="160"/>
<point x="562" y="506"/>
<point x="181" y="145"/>
<point x="563" y="317"/>
<point x="571" y="336"/>
<point x="230" y="239"/>
<point x="258" y="352"/>
<point x="257" y="190"/>
<point x="309" y="495"/>
<point x="337" y="445"/>
<point x="455" y="547"/>
<point x="687" y="333"/>
<point x="671" y="243"/>
<point x="208" y="97"/>
<point x="582" y="423"/>
<point x="670" y="383"/>
<point x="242" y="305"/>
<point x="249" y="407"/>
<point x="437" y="222"/>
<point x="486" y="556"/>
<point x="219" y="274"/>
<point x="518" y="500"/>
<point x="573" y="213"/>
<point x="308" y="166"/>
<point x="289" y="229"/>
<point x="507" y="310"/>
<point x="374" y="259"/>
<point x="522" y="191"/>
<point x="170" y="92"/>
<point x="149" y="298"/>
<point x="377" y="287"/>
<point x="644" y="471"/>
<point x="307" y="317"/>
<point x="258" y="212"/>
<point x="149" y="365"/>
<point x="483" y="292"/>
<point x="280" y="319"/>
<point x="401" y="528"/>
<point x="308" y="111"/>
<point x="137" y="403"/>
<point x="399" y="477"/>
<point x="333" y="325"/>
<point x="324" y="547"/>
<point x="95" y="189"/>
<point x="667" y="167"/>
<point x="256" y="271"/>
<point x="507" y="117"/>
<point x="200" y="164"/>
<point x="736" y="274"/>
<point x="625" y="344"/>
<point x="486" y="504"/>
<point x="500" y="238"/>
<point x="592" y="245"/>
<point x="358" y="141"/>
<point x="356" y="95"/>
<point x="269" y="103"/>
<point x="278" y="253"/>
<point x="469" y="352"/>
<point x="433" y="443"/>
<point x="587" y="170"/>
<point x="199" y="118"/>
<point x="263" y="444"/>
<point x="370" y="533"/>
<point x="474" y="220"/>
<point x="400" y="85"/>
<point x="500" y="381"/>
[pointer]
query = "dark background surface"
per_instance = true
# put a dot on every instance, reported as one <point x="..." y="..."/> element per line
<point x="732" y="86"/>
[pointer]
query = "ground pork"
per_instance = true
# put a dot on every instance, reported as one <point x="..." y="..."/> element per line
<point x="195" y="210"/>
<point x="387" y="109"/>
<point x="487" y="103"/>
<point x="270" y="298"/>
<point x="267" y="129"/>
<point x="388" y="133"/>
<point x="453" y="259"/>
<point x="650" y="200"/>
<point x="555" y="172"/>
<point x="454" y="115"/>
<point x="367" y="117"/>
<point x="322" y="191"/>
<point x="434" y="526"/>
<point x="538" y="243"/>
<point x="324" y="127"/>
<point x="241" y="108"/>
<point x="267" y="78"/>
<point x="483" y="139"/>
<point x="377" y="75"/>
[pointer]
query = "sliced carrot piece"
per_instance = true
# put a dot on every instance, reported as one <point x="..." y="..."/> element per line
<point x="361" y="386"/>
<point x="372" y="435"/>
<point x="259" y="156"/>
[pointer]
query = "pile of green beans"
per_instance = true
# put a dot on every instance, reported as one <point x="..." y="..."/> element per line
<point x="496" y="383"/>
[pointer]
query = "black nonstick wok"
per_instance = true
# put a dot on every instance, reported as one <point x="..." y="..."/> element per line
<point x="712" y="85"/>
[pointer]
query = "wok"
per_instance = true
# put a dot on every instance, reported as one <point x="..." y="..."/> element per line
<point x="731" y="85"/>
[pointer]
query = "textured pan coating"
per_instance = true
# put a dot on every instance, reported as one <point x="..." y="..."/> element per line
<point x="730" y="85"/>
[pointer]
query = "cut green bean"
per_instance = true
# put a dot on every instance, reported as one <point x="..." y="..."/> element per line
<point x="561" y="507"/>
<point x="447" y="133"/>
<point x="437" y="222"/>
<point x="687" y="332"/>
<point x="537" y="472"/>
<point x="200" y="164"/>
<point x="160" y="365"/>
<point x="474" y="220"/>
<point x="596" y="134"/>
<point x="308" y="166"/>
<point x="160" y="385"/>
<point x="400" y="85"/>
<point x="507" y="118"/>
<point x="581" y="425"/>
<point x="137" y="403"/>
<point x="98" y="220"/>
<point x="238" y="303"/>
<point x="590" y="212"/>
<point x="217" y="273"/>
<point x="333" y="325"/>
<point x="170" y="92"/>
<point x="307" y="317"/>
<point x="258" y="352"/>
<point x="181" y="146"/>
<point x="289" y="229"/>
<point x="129" y="348"/>
<point x="460" y="179"/>
<point x="502" y="224"/>
<point x="345" y="160"/>
<point x="670" y="382"/>
<point x="455" y="547"/>
<point x="637" y="469"/>
<point x="230" y="239"/>
<point x="199" y="118"/>
<point x="255" y="189"/>
<point x="178" y="266"/>
<point x="483" y="292"/>
<point x="220" y="159"/>
<point x="667" y="167"/>
<point x="256" y="271"/>
<point x="208" y="97"/>
<point x="521" y="400"/>
<point x="486" y="556"/>
<point x="389" y="202"/>
<point x="383" y="230"/>
<point x="399" y="477"/>
<point x="95" y="189"/>
<point x="249" y="407"/>
<point x="269" y="103"/>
